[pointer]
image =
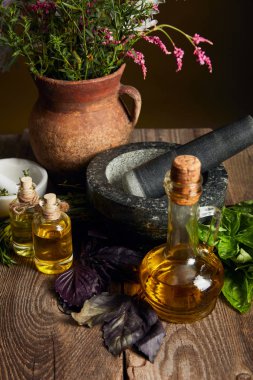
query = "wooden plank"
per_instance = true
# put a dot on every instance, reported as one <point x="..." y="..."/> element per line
<point x="221" y="345"/>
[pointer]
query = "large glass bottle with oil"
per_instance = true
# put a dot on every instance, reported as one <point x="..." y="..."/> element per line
<point x="182" y="279"/>
<point x="52" y="237"/>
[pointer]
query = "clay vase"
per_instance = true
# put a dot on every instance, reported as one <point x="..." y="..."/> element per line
<point x="72" y="121"/>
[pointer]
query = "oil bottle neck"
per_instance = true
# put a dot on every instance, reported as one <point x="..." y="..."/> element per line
<point x="182" y="225"/>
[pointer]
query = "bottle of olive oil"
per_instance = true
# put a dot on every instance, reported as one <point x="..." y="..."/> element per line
<point x="21" y="215"/>
<point x="180" y="279"/>
<point x="52" y="237"/>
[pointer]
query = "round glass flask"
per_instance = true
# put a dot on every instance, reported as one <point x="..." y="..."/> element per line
<point x="182" y="279"/>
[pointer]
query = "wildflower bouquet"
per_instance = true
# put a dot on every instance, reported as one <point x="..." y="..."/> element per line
<point x="84" y="39"/>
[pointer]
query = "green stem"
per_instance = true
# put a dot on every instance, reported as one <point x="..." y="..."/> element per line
<point x="84" y="38"/>
<point x="162" y="26"/>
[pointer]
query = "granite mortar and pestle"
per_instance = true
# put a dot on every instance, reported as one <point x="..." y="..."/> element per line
<point x="115" y="177"/>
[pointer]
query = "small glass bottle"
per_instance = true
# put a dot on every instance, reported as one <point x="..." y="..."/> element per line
<point x="180" y="279"/>
<point x="21" y="215"/>
<point x="52" y="237"/>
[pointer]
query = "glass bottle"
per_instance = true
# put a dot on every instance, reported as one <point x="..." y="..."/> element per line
<point x="182" y="279"/>
<point x="21" y="215"/>
<point x="52" y="237"/>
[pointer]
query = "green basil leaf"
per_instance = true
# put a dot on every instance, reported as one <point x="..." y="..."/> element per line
<point x="206" y="234"/>
<point x="248" y="270"/>
<point x="243" y="257"/>
<point x="227" y="247"/>
<point x="230" y="221"/>
<point x="238" y="290"/>
<point x="246" y="237"/>
<point x="245" y="207"/>
<point x="246" y="221"/>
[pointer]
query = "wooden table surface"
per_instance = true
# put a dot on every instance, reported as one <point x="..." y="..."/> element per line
<point x="38" y="342"/>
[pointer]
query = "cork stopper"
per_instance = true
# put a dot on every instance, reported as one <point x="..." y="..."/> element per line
<point x="186" y="169"/>
<point x="27" y="192"/>
<point x="50" y="199"/>
<point x="26" y="182"/>
<point x="51" y="209"/>
<point x="183" y="182"/>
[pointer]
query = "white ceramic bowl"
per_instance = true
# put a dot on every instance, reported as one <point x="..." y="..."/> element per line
<point x="11" y="169"/>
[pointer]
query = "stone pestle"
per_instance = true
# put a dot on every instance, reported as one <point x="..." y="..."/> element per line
<point x="212" y="149"/>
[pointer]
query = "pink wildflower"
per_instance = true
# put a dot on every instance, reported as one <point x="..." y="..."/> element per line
<point x="179" y="54"/>
<point x="108" y="36"/>
<point x="197" y="39"/>
<point x="156" y="40"/>
<point x="138" y="58"/>
<point x="203" y="59"/>
<point x="155" y="7"/>
<point x="43" y="6"/>
<point x="125" y="40"/>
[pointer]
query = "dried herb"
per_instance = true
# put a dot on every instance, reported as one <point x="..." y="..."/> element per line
<point x="126" y="322"/>
<point x="26" y="172"/>
<point x="5" y="243"/>
<point x="4" y="192"/>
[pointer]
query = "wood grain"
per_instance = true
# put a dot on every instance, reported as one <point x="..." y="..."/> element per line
<point x="39" y="342"/>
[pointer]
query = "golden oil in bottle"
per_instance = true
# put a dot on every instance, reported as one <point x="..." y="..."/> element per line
<point x="21" y="215"/>
<point x="180" y="285"/>
<point x="182" y="279"/>
<point x="52" y="238"/>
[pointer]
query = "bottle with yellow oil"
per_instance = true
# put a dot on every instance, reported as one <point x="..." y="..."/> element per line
<point x="21" y="215"/>
<point x="52" y="237"/>
<point x="182" y="279"/>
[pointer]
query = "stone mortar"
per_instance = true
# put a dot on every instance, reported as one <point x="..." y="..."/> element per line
<point x="141" y="217"/>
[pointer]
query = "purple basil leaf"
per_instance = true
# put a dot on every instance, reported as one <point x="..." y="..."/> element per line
<point x="146" y="312"/>
<point x="78" y="284"/>
<point x="98" y="309"/>
<point x="150" y="344"/>
<point x="120" y="263"/>
<point x="124" y="327"/>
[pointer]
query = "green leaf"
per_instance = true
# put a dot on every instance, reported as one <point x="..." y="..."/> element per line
<point x="249" y="272"/>
<point x="206" y="235"/>
<point x="246" y="237"/>
<point x="244" y="207"/>
<point x="70" y="6"/>
<point x="227" y="247"/>
<point x="230" y="221"/>
<point x="238" y="290"/>
<point x="5" y="243"/>
<point x="246" y="221"/>
<point x="243" y="257"/>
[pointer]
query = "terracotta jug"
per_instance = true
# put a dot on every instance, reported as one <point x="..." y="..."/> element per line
<point x="72" y="121"/>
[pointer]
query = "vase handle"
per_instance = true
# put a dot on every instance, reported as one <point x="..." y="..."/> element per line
<point x="136" y="96"/>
